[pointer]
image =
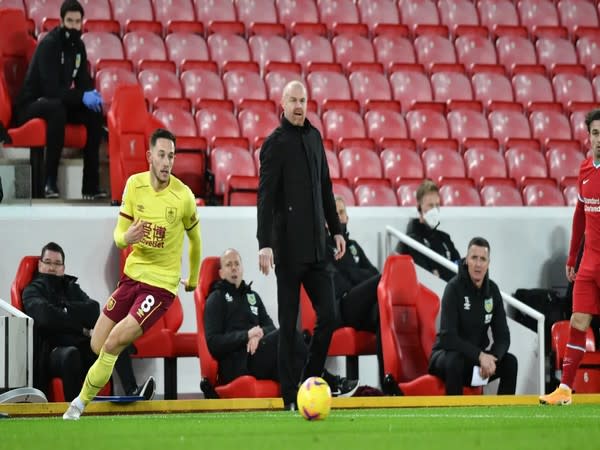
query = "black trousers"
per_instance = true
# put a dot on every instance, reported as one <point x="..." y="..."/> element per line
<point x="71" y="365"/>
<point x="57" y="115"/>
<point x="263" y="364"/>
<point x="456" y="371"/>
<point x="318" y="282"/>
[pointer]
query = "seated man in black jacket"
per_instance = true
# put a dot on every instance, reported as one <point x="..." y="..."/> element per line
<point x="425" y="229"/>
<point x="471" y="305"/>
<point x="63" y="317"/>
<point x="240" y="333"/>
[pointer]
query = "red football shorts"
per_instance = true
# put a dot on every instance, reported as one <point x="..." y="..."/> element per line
<point x="145" y="303"/>
<point x="586" y="292"/>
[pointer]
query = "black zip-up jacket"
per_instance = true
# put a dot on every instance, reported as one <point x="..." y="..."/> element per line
<point x="352" y="269"/>
<point x="295" y="197"/>
<point x="58" y="69"/>
<point x="437" y="240"/>
<point x="60" y="310"/>
<point x="230" y="312"/>
<point x="468" y="313"/>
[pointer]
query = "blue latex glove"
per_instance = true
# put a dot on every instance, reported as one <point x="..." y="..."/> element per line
<point x="92" y="100"/>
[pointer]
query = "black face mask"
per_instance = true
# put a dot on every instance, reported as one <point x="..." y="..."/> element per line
<point x="71" y="35"/>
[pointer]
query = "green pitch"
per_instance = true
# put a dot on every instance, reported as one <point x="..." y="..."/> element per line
<point x="500" y="427"/>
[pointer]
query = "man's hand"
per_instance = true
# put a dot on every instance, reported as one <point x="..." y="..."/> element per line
<point x="487" y="362"/>
<point x="135" y="232"/>
<point x="340" y="246"/>
<point x="571" y="273"/>
<point x="252" y="345"/>
<point x="255" y="332"/>
<point x="265" y="260"/>
<point x="189" y="287"/>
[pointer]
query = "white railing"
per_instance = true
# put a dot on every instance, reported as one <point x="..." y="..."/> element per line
<point x="518" y="305"/>
<point x="6" y="309"/>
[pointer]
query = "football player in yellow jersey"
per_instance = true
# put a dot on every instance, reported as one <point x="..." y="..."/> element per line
<point x="157" y="209"/>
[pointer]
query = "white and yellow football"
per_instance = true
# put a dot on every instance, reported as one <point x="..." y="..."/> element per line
<point x="314" y="399"/>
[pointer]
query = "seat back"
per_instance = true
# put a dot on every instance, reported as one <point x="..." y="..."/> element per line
<point x="407" y="312"/>
<point x="209" y="273"/>
<point x="25" y="273"/>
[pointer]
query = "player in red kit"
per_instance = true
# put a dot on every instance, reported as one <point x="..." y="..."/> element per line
<point x="586" y="291"/>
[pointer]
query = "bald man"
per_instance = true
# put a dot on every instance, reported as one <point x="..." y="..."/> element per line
<point x="295" y="203"/>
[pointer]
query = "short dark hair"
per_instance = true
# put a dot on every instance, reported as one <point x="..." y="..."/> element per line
<point x="590" y="117"/>
<point x="479" y="242"/>
<point x="53" y="247"/>
<point x="70" y="6"/>
<point x="161" y="133"/>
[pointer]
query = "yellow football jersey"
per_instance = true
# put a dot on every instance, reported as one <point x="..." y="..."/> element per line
<point x="156" y="259"/>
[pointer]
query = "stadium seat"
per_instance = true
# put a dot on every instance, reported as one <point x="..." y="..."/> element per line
<point x="425" y="123"/>
<point x="579" y="128"/>
<point x="13" y="4"/>
<point x="385" y="123"/>
<point x="509" y="123"/>
<point x="406" y="191"/>
<point x="359" y="163"/>
<point x="497" y="12"/>
<point x="500" y="192"/>
<point x="338" y="123"/>
<point x="337" y="11"/>
<point x="421" y="12"/>
<point x="190" y="164"/>
<point x="291" y="11"/>
<point x="410" y="86"/>
<point x="249" y="11"/>
<point x="588" y="49"/>
<point x="374" y="192"/>
<point x="391" y="49"/>
<point x="563" y="162"/>
<point x="265" y="48"/>
<point x="399" y="163"/>
<point x="311" y="48"/>
<point x="549" y="124"/>
<point x="408" y="312"/>
<point x="257" y="123"/>
<point x="572" y="87"/>
<point x="434" y="49"/>
<point x="532" y="87"/>
<point x="142" y="45"/>
<point x="26" y="271"/>
<point x="201" y="84"/>
<point x="442" y="162"/>
<point x="225" y="47"/>
<point x="368" y="86"/>
<point x="373" y="12"/>
<point x="216" y="122"/>
<point x="577" y="13"/>
<point x="108" y="79"/>
<point x="457" y="12"/>
<point x="157" y="83"/>
<point x="352" y="48"/>
<point x="102" y="45"/>
<point x="542" y="192"/>
<point x="467" y="123"/>
<point x="215" y="10"/>
<point x="342" y="188"/>
<point x="450" y="85"/>
<point x="459" y="192"/>
<point x="324" y="85"/>
<point x="524" y="163"/>
<point x="243" y="84"/>
<point x="570" y="190"/>
<point x="515" y="50"/>
<point x="178" y="121"/>
<point x="126" y="10"/>
<point x="552" y="51"/>
<point x="185" y="46"/>
<point x="491" y="86"/>
<point x="245" y="386"/>
<point x="535" y="13"/>
<point x="166" y="11"/>
<point x="484" y="163"/>
<point x="276" y="79"/>
<point x="38" y="10"/>
<point x="225" y="161"/>
<point x="333" y="164"/>
<point x="241" y="190"/>
<point x="475" y="49"/>
<point x="587" y="378"/>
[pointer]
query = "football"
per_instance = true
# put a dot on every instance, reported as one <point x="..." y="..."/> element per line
<point x="314" y="399"/>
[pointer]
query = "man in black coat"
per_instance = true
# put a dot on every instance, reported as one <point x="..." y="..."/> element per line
<point x="425" y="230"/>
<point x="59" y="89"/>
<point x="240" y="333"/>
<point x="64" y="316"/>
<point x="295" y="202"/>
<point x="471" y="306"/>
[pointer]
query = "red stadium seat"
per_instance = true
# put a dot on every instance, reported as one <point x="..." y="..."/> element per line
<point x="497" y="12"/>
<point x="425" y="123"/>
<point x="375" y="192"/>
<point x="333" y="164"/>
<point x="484" y="163"/>
<point x="342" y="188"/>
<point x="290" y="11"/>
<point x="190" y="163"/>
<point x="459" y="192"/>
<point x="449" y="85"/>
<point x="491" y="86"/>
<point x="572" y="87"/>
<point x="311" y="48"/>
<point x="169" y="10"/>
<point x="38" y="10"/>
<point x="157" y="83"/>
<point x="141" y="45"/>
<point x="421" y="12"/>
<point x="257" y="123"/>
<point x="249" y="11"/>
<point x="563" y="162"/>
<point x="275" y="80"/>
<point x="102" y="45"/>
<point x="550" y="124"/>
<point x="352" y="48"/>
<point x="200" y="84"/>
<point x="226" y="161"/>
<point x="245" y="386"/>
<point x="225" y="47"/>
<point x="475" y="49"/>
<point x="505" y="124"/>
<point x="390" y="49"/>
<point x="13" y="4"/>
<point x="522" y="163"/>
<point x="177" y="120"/>
<point x="399" y="163"/>
<point x="535" y="13"/>
<point x="442" y="162"/>
<point x="185" y="46"/>
<point x="359" y="163"/>
<point x="373" y="12"/>
<point x="327" y="85"/>
<point x="107" y="81"/>
<point x="408" y="312"/>
<point x="125" y="10"/>
<point x="515" y="50"/>
<point x="432" y="49"/>
<point x="579" y="128"/>
<point x="532" y="87"/>
<point x="410" y="86"/>
<point x="337" y="11"/>
<point x="339" y="123"/>
<point x="216" y="122"/>
<point x="385" y="123"/>
<point x="588" y="49"/>
<point x="457" y="12"/>
<point x="241" y="190"/>
<point x="500" y="192"/>
<point x="265" y="48"/>
<point x="540" y="192"/>
<point x="467" y="123"/>
<point x="215" y="10"/>
<point x="242" y="84"/>
<point x="551" y="51"/>
<point x="368" y="85"/>
<point x="407" y="191"/>
<point x="570" y="190"/>
<point x="577" y="13"/>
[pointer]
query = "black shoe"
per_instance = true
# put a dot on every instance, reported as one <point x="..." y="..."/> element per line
<point x="4" y="136"/>
<point x="147" y="390"/>
<point x="390" y="387"/>
<point x="98" y="194"/>
<point x="290" y="406"/>
<point x="51" y="191"/>
<point x="340" y="387"/>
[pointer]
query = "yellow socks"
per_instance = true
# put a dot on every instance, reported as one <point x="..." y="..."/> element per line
<point x="97" y="376"/>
